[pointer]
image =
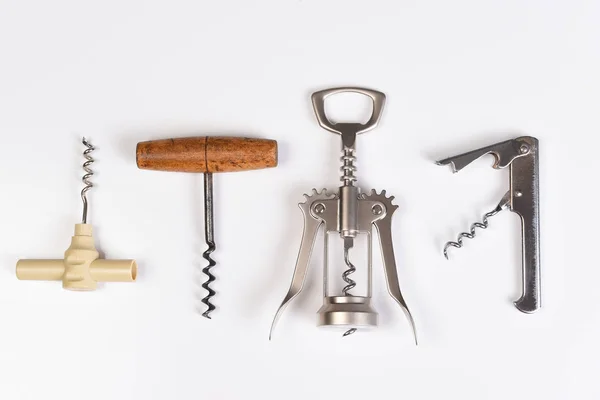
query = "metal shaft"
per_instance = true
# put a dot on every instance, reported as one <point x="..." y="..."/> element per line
<point x="348" y="212"/>
<point x="209" y="232"/>
<point x="210" y="241"/>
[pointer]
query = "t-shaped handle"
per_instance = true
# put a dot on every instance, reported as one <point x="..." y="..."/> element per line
<point x="81" y="269"/>
<point x="207" y="154"/>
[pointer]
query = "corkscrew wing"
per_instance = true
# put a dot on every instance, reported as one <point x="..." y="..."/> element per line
<point x="309" y="234"/>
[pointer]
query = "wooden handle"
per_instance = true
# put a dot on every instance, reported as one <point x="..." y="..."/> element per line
<point x="207" y="154"/>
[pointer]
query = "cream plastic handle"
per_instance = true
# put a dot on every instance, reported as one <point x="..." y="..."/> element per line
<point x="113" y="270"/>
<point x="40" y="270"/>
<point x="81" y="268"/>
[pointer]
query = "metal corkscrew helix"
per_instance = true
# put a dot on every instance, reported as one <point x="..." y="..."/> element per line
<point x="86" y="177"/>
<point x="482" y="225"/>
<point x="209" y="236"/>
<point x="347" y="213"/>
<point x="521" y="156"/>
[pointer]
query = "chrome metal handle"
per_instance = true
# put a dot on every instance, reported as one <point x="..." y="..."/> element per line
<point x="525" y="201"/>
<point x="349" y="129"/>
<point x="384" y="231"/>
<point x="311" y="226"/>
<point x="309" y="235"/>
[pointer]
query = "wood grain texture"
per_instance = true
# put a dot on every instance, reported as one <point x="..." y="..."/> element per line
<point x="207" y="154"/>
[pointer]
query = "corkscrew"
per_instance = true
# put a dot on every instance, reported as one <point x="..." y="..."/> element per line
<point x="521" y="156"/>
<point x="347" y="213"/>
<point x="81" y="268"/>
<point x="207" y="155"/>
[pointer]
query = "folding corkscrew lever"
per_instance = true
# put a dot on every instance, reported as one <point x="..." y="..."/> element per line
<point x="521" y="155"/>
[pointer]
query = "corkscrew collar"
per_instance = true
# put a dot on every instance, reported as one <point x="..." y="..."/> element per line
<point x="521" y="155"/>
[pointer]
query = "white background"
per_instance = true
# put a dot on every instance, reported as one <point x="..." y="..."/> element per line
<point x="458" y="75"/>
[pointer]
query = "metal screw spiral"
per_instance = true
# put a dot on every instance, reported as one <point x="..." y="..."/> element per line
<point x="483" y="225"/>
<point x="211" y="278"/>
<point x="348" y="168"/>
<point x="210" y="241"/>
<point x="351" y="284"/>
<point x="88" y="174"/>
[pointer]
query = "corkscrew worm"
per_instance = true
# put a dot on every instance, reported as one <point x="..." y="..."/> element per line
<point x="86" y="177"/>
<point x="210" y="241"/>
<point x="482" y="225"/>
<point x="351" y="284"/>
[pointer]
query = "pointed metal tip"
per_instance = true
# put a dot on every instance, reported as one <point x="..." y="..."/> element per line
<point x="414" y="328"/>
<point x="205" y="314"/>
<point x="271" y="331"/>
<point x="349" y="332"/>
<point x="87" y="143"/>
<point x="446" y="162"/>
<point x="274" y="323"/>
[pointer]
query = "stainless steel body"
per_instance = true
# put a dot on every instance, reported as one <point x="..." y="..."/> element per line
<point x="347" y="213"/>
<point x="521" y="156"/>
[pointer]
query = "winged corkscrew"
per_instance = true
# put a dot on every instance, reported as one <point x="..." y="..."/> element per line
<point x="348" y="213"/>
